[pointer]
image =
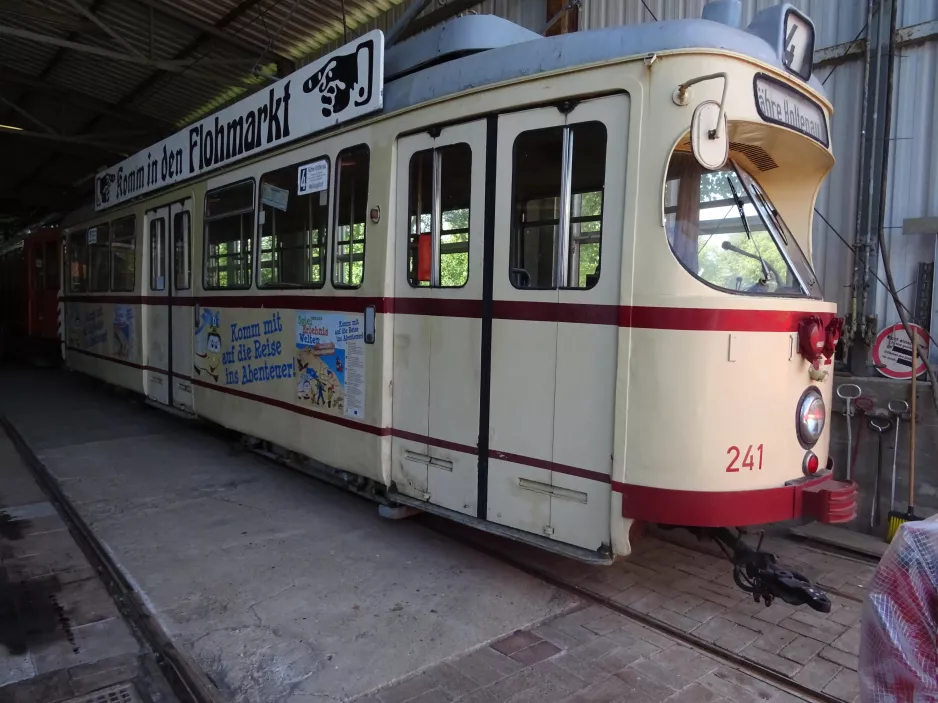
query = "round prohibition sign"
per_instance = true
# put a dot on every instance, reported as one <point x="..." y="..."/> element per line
<point x="892" y="352"/>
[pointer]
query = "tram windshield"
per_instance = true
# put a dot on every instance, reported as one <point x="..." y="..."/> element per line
<point x="724" y="229"/>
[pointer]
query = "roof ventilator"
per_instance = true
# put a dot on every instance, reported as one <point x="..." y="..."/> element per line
<point x="728" y="12"/>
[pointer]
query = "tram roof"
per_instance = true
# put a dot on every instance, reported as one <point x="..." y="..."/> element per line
<point x="504" y="51"/>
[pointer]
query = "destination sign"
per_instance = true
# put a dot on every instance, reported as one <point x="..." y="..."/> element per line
<point x="780" y="104"/>
<point x="339" y="87"/>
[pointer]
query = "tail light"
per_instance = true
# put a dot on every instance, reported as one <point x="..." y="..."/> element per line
<point x="810" y="464"/>
<point x="833" y="330"/>
<point x="811" y="338"/>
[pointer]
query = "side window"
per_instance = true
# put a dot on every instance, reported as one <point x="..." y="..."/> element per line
<point x="556" y="233"/>
<point x="229" y="236"/>
<point x="51" y="265"/>
<point x="99" y="258"/>
<point x="438" y="216"/>
<point x="124" y="254"/>
<point x="351" y="210"/>
<point x="78" y="261"/>
<point x="293" y="221"/>
<point x="182" y="261"/>
<point x="158" y="254"/>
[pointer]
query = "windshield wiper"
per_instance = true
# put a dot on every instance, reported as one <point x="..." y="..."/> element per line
<point x="742" y="216"/>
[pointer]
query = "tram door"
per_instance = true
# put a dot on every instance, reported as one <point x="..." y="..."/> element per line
<point x="556" y="294"/>
<point x="437" y="326"/>
<point x="168" y="325"/>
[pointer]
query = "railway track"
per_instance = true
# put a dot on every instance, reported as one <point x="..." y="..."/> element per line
<point x="465" y="536"/>
<point x="186" y="679"/>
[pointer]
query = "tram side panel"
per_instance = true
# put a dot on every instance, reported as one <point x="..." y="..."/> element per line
<point x="289" y="364"/>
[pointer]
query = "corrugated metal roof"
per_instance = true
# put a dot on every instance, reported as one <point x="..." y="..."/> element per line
<point x="109" y="85"/>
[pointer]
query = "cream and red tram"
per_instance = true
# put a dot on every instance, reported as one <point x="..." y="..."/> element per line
<point x="552" y="287"/>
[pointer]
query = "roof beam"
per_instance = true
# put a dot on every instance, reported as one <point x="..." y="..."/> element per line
<point x="286" y="64"/>
<point x="172" y="66"/>
<point x="84" y="101"/>
<point x="93" y="18"/>
<point x="81" y="140"/>
<point x="56" y="19"/>
<point x="27" y="114"/>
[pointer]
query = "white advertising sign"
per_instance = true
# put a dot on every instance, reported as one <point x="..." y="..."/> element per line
<point x="312" y="178"/>
<point x="782" y="105"/>
<point x="341" y="86"/>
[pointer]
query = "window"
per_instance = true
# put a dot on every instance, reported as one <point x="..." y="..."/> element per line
<point x="158" y="254"/>
<point x="99" y="258"/>
<point x="123" y="254"/>
<point x="726" y="239"/>
<point x="556" y="232"/>
<point x="77" y="249"/>
<point x="229" y="235"/>
<point x="438" y="216"/>
<point x="293" y="226"/>
<point x="351" y="209"/>
<point x="182" y="260"/>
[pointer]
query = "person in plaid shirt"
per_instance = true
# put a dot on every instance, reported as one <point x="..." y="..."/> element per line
<point x="899" y="632"/>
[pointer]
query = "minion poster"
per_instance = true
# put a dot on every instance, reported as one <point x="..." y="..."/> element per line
<point x="207" y="344"/>
<point x="330" y="362"/>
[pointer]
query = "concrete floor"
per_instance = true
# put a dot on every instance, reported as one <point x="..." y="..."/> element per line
<point x="280" y="587"/>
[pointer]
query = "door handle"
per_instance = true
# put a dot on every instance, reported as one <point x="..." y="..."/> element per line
<point x="417" y="457"/>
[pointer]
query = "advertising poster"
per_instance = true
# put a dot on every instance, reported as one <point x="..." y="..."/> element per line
<point x="330" y="362"/>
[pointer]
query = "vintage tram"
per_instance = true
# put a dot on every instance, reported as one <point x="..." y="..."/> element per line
<point x="30" y="272"/>
<point x="551" y="287"/>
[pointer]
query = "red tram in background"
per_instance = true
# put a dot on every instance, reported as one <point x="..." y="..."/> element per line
<point x="30" y="275"/>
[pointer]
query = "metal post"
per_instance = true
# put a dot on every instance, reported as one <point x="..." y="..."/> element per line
<point x="874" y="162"/>
<point x="566" y="190"/>
<point x="436" y="223"/>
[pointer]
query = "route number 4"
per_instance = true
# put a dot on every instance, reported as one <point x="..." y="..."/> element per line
<point x="749" y="459"/>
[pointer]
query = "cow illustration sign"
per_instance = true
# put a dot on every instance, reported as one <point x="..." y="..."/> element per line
<point x="341" y="86"/>
<point x="892" y="352"/>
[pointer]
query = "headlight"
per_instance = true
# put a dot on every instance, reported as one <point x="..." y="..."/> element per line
<point x="811" y="417"/>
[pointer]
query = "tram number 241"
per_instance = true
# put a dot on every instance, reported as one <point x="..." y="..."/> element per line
<point x="749" y="459"/>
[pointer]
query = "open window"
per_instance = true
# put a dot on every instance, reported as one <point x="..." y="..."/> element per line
<point x="229" y="236"/>
<point x="293" y="222"/>
<point x="723" y="229"/>
<point x="351" y="211"/>
<point x="556" y="233"/>
<point x="438" y="216"/>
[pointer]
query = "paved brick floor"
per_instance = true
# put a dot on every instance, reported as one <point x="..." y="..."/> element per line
<point x="593" y="655"/>
<point x="673" y="582"/>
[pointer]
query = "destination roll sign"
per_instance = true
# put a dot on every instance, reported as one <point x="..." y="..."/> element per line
<point x="339" y="87"/>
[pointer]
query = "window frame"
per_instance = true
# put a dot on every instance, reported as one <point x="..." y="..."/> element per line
<point x="113" y="288"/>
<point x="188" y="245"/>
<point x="324" y="245"/>
<point x="336" y="198"/>
<point x="90" y="248"/>
<point x="161" y="260"/>
<point x="563" y="241"/>
<point x="69" y="248"/>
<point x="437" y="232"/>
<point x="252" y="238"/>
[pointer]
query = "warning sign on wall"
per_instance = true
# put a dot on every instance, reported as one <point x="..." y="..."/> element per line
<point x="892" y="352"/>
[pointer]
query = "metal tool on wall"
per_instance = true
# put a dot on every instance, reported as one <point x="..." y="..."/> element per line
<point x="849" y="392"/>
<point x="898" y="518"/>
<point x="880" y="426"/>
<point x="897" y="408"/>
